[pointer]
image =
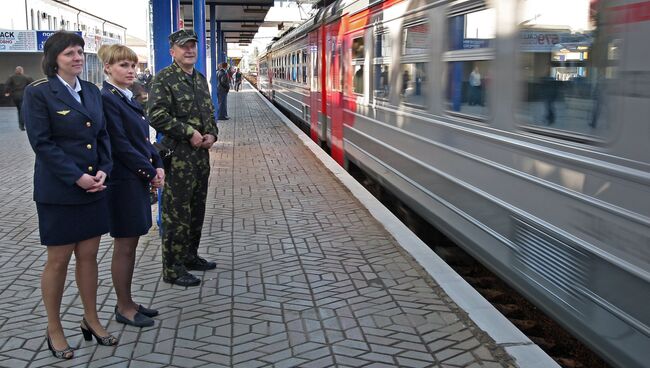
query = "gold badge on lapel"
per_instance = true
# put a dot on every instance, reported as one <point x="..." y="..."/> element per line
<point x="63" y="112"/>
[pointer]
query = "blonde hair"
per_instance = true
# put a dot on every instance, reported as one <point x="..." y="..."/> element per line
<point x="111" y="54"/>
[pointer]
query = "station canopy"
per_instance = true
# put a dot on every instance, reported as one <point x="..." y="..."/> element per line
<point x="240" y="19"/>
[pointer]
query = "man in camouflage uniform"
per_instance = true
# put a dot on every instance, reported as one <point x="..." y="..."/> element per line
<point x="181" y="109"/>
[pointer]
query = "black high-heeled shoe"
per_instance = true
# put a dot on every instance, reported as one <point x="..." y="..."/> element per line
<point x="88" y="333"/>
<point x="67" y="353"/>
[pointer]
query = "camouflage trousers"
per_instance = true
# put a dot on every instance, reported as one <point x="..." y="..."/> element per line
<point x="183" y="207"/>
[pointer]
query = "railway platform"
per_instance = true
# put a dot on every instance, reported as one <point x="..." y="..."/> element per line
<point x="312" y="271"/>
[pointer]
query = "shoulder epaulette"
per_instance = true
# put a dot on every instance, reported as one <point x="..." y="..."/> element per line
<point x="38" y="82"/>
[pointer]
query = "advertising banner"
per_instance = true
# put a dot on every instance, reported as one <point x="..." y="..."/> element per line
<point x="17" y="41"/>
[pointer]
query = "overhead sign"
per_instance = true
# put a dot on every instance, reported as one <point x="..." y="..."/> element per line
<point x="33" y="41"/>
<point x="42" y="36"/>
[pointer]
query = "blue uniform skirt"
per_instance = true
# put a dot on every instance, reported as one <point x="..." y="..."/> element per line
<point x="129" y="208"/>
<point x="60" y="224"/>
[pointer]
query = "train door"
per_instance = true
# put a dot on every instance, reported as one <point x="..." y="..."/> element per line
<point x="269" y="71"/>
<point x="354" y="65"/>
<point x="334" y="107"/>
<point x="315" y="114"/>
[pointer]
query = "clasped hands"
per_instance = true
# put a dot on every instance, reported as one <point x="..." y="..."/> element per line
<point x="91" y="183"/>
<point x="202" y="141"/>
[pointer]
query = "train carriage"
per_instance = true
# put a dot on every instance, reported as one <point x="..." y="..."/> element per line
<point x="518" y="128"/>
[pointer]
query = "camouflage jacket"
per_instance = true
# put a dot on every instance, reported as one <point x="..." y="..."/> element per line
<point x="180" y="103"/>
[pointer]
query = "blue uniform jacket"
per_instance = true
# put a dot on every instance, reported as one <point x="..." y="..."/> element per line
<point x="68" y="138"/>
<point x="134" y="156"/>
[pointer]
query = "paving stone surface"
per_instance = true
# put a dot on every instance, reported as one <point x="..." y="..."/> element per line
<point x="305" y="277"/>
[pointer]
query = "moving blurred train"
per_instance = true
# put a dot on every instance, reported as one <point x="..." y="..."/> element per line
<point x="520" y="128"/>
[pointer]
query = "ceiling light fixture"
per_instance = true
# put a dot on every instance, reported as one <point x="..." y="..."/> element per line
<point x="256" y="10"/>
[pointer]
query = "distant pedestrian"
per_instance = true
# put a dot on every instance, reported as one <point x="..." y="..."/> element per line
<point x="66" y="128"/>
<point x="146" y="78"/>
<point x="15" y="87"/>
<point x="406" y="78"/>
<point x="475" y="87"/>
<point x="223" y="86"/>
<point x="238" y="80"/>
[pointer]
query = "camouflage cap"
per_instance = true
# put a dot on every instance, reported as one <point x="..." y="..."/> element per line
<point x="182" y="36"/>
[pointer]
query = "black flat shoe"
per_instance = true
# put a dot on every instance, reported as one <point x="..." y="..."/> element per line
<point x="185" y="280"/>
<point x="67" y="353"/>
<point x="139" y="320"/>
<point x="147" y="311"/>
<point x="200" y="264"/>
<point x="88" y="333"/>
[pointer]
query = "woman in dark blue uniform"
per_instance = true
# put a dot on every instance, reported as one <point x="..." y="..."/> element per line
<point x="136" y="166"/>
<point x="66" y="128"/>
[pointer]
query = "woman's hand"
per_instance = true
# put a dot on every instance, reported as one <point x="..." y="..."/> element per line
<point x="159" y="180"/>
<point x="92" y="184"/>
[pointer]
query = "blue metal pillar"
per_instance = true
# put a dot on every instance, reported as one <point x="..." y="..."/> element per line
<point x="199" y="28"/>
<point x="457" y="33"/>
<point x="176" y="10"/>
<point x="162" y="27"/>
<point x="225" y="49"/>
<point x="218" y="43"/>
<point x="213" y="57"/>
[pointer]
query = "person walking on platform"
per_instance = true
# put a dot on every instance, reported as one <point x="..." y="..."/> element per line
<point x="15" y="87"/>
<point x="66" y="129"/>
<point x="181" y="109"/>
<point x="223" y="86"/>
<point x="238" y="78"/>
<point x="145" y="79"/>
<point x="136" y="166"/>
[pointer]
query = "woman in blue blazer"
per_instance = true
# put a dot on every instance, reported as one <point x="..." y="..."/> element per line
<point x="66" y="128"/>
<point x="137" y="165"/>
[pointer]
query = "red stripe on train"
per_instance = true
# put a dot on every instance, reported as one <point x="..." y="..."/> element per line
<point x="631" y="13"/>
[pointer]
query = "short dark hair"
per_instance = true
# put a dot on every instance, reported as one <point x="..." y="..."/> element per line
<point x="54" y="45"/>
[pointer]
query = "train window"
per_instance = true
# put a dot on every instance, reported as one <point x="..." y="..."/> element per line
<point x="472" y="30"/>
<point x="382" y="81"/>
<point x="565" y="65"/>
<point x="470" y="35"/>
<point x="381" y="72"/>
<point x="466" y="87"/>
<point x="413" y="84"/>
<point x="358" y="79"/>
<point x="358" y="48"/>
<point x="315" y="86"/>
<point x="415" y="40"/>
<point x="382" y="45"/>
<point x="299" y="76"/>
